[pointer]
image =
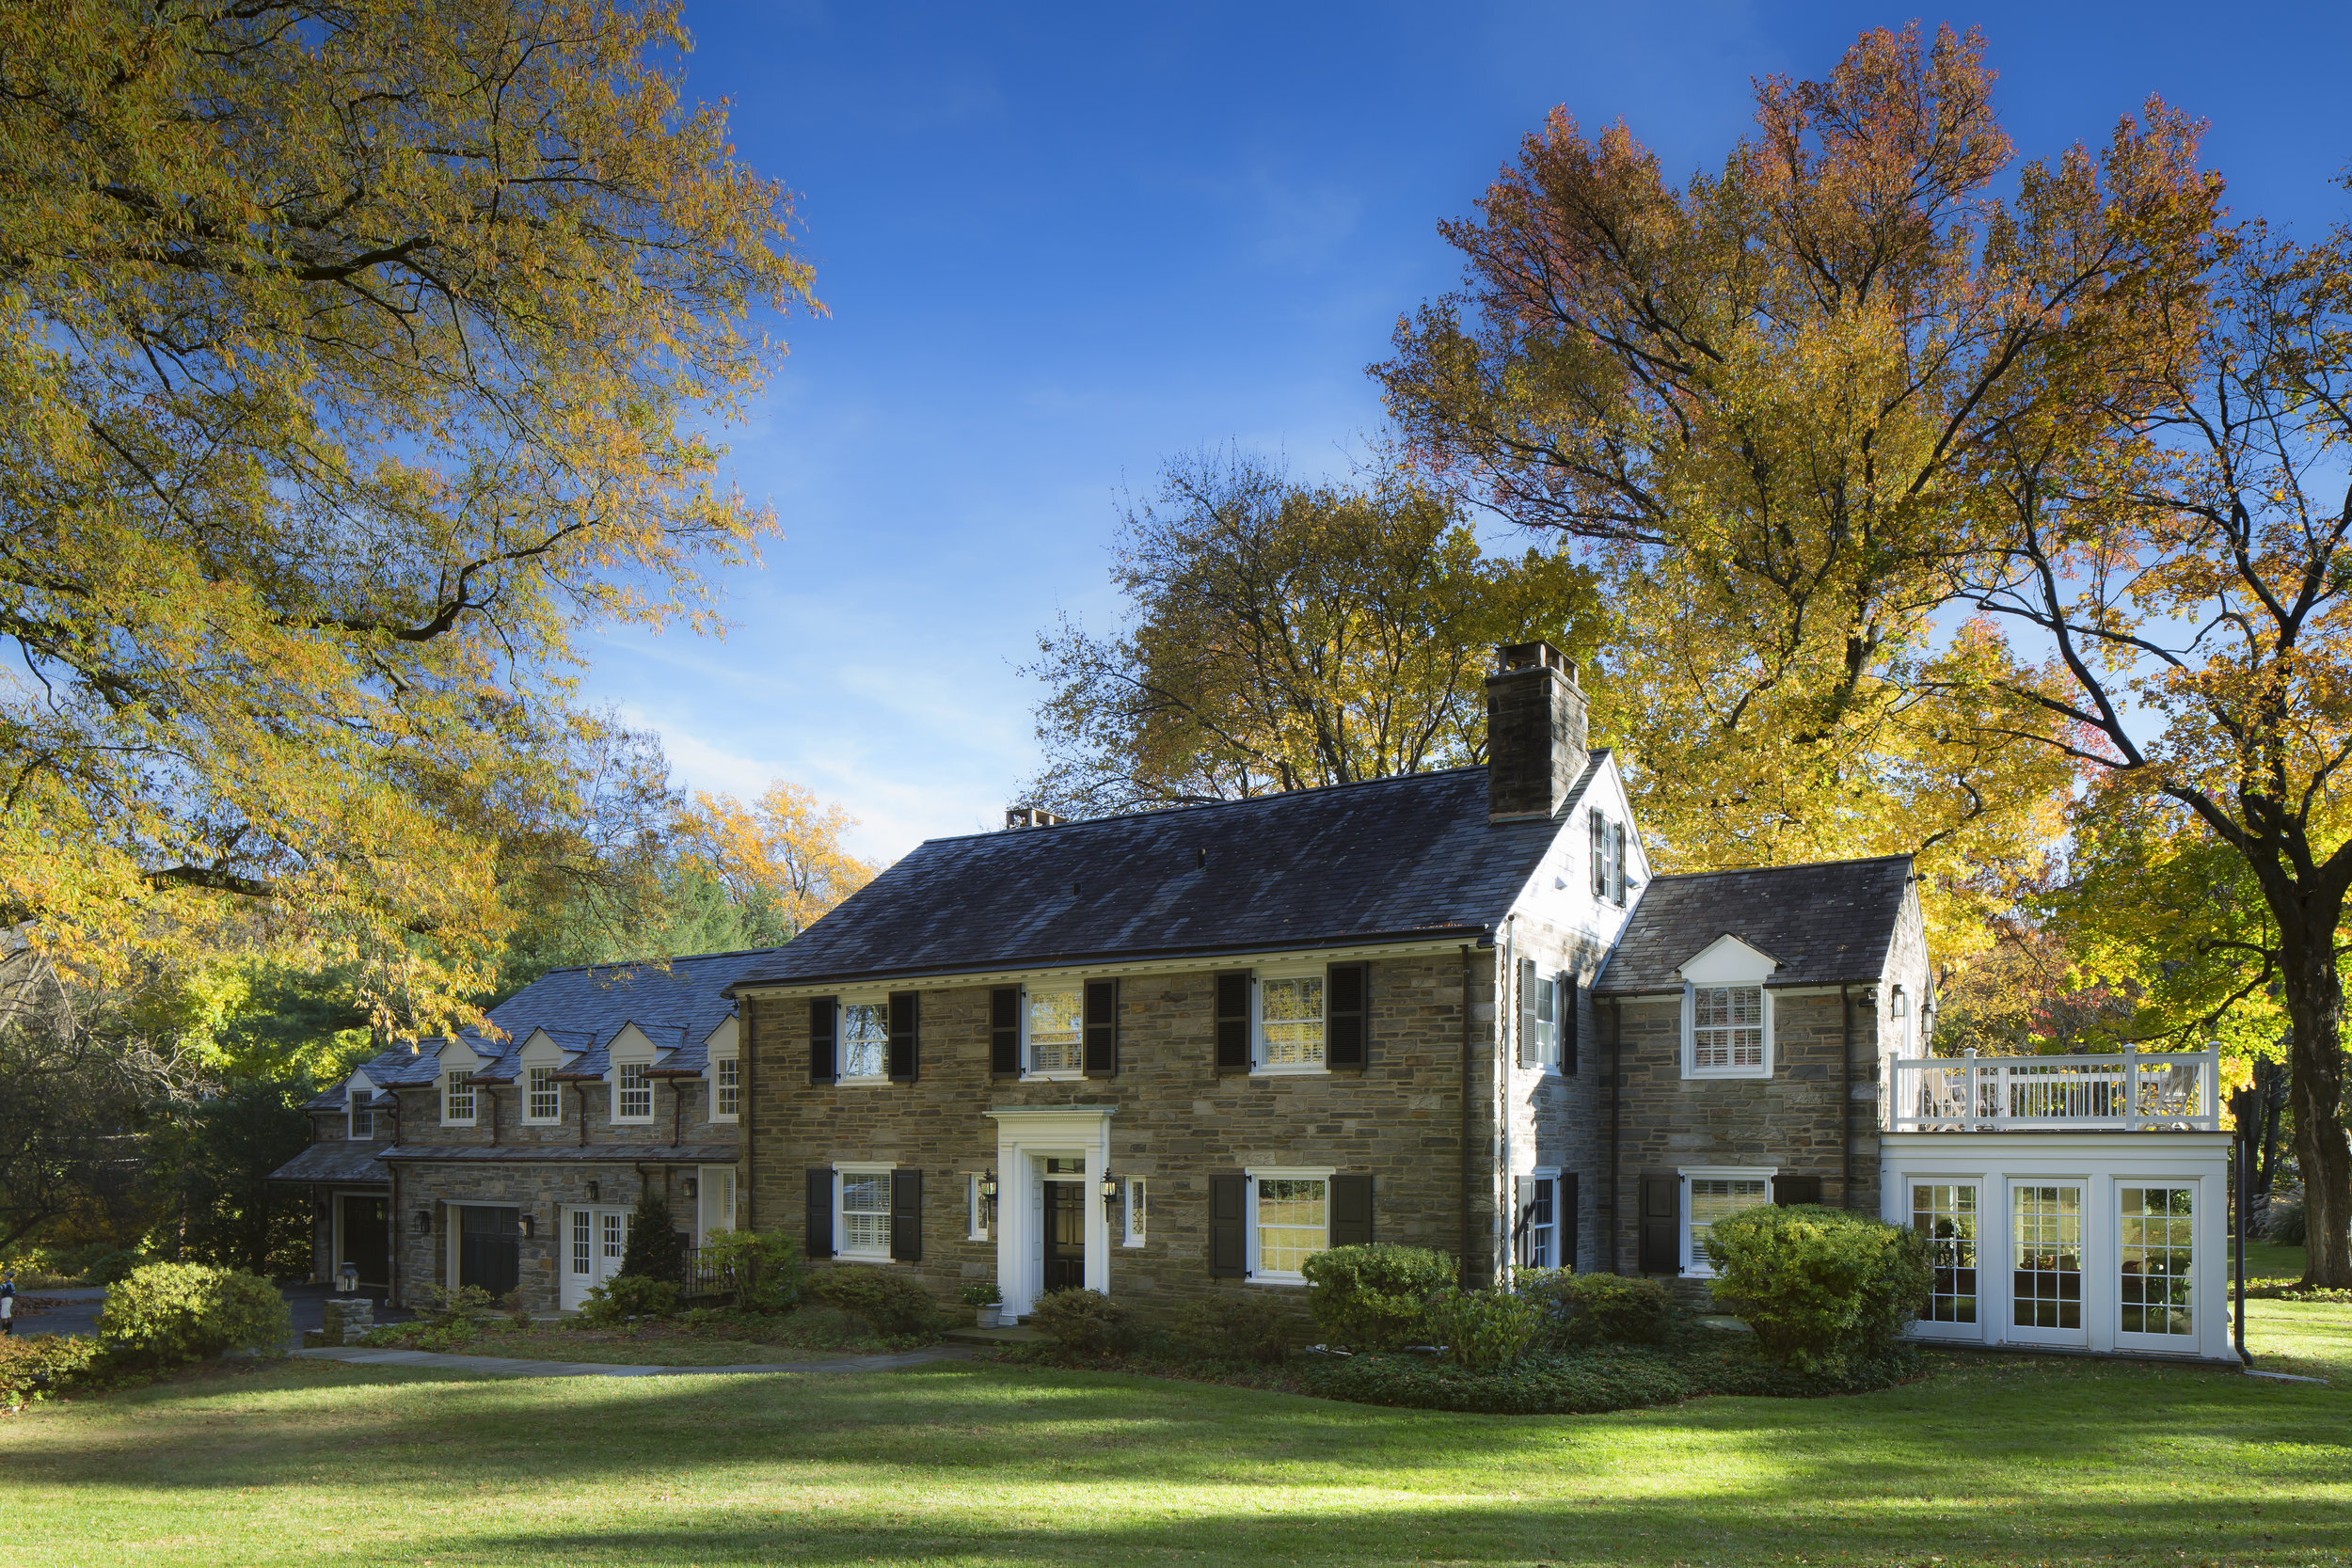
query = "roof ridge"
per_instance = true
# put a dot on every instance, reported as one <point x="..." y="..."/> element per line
<point x="1768" y="870"/>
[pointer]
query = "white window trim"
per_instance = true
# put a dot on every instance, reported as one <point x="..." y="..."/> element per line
<point x="1249" y="1214"/>
<point x="613" y="1088"/>
<point x="473" y="1097"/>
<point x="1559" y="1019"/>
<point x="840" y="1229"/>
<point x="553" y="1083"/>
<point x="1033" y="1074"/>
<point x="1694" y="1262"/>
<point x="841" y="1036"/>
<point x="1689" y="1036"/>
<point x="1138" y="1201"/>
<point x="352" y="1107"/>
<point x="1551" y="1174"/>
<point x="708" y="1180"/>
<point x="974" y="1207"/>
<point x="1259" y="1065"/>
<point x="711" y="1073"/>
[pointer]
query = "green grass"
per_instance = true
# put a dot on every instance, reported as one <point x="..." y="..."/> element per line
<point x="653" y="1348"/>
<point x="2009" y="1459"/>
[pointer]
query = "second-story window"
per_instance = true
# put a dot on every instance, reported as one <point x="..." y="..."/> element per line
<point x="726" y="1088"/>
<point x="363" y="1114"/>
<point x="865" y="1039"/>
<point x="1290" y="1022"/>
<point x="632" y="1093"/>
<point x="1727" y="1028"/>
<point x="1057" y="1028"/>
<point x="543" y="1096"/>
<point x="456" y="1099"/>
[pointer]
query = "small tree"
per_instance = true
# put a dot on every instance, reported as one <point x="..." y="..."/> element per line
<point x="656" y="1249"/>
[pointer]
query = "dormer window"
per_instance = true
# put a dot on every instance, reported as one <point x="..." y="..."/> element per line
<point x="456" y="1097"/>
<point x="543" y="1096"/>
<point x="363" y="1114"/>
<point x="633" y="1092"/>
<point x="726" y="1088"/>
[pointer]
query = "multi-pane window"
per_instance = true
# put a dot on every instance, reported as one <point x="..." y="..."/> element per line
<point x="2156" y="1276"/>
<point x="865" y="1213"/>
<point x="456" y="1096"/>
<point x="1057" y="1029"/>
<point x="612" y="1237"/>
<point x="1293" y="1221"/>
<point x="632" y="1093"/>
<point x="865" y="1039"/>
<point x="1290" y="1022"/>
<point x="1539" y="1242"/>
<point x="1713" y="1198"/>
<point x="583" y="1245"/>
<point x="1543" y="1008"/>
<point x="1726" y="1027"/>
<point x="363" y="1113"/>
<point x="543" y="1097"/>
<point x="1945" y="1215"/>
<point x="2047" y="1244"/>
<point x="1138" y="1213"/>
<point x="726" y="1088"/>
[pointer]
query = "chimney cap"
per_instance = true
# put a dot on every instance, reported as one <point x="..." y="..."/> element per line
<point x="1532" y="655"/>
<point x="1030" y="817"/>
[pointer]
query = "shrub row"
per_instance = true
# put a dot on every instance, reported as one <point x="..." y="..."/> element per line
<point x="1585" y="1383"/>
<point x="33" y="1366"/>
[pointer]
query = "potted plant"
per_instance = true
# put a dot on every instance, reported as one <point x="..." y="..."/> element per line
<point x="987" y="1299"/>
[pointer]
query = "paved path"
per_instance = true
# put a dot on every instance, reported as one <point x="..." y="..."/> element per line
<point x="513" y="1367"/>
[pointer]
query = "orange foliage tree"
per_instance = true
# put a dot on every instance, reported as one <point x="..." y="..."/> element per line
<point x="781" y="856"/>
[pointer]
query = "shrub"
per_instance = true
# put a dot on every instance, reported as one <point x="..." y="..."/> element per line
<point x="1244" y="1326"/>
<point x="628" y="1295"/>
<point x="113" y="1268"/>
<point x="891" y="1304"/>
<point x="981" y="1293"/>
<point x="1375" y="1297"/>
<point x="173" y="1312"/>
<point x="1582" y="1384"/>
<point x="657" y="1250"/>
<point x="1084" y="1320"/>
<point x="767" y="1264"/>
<point x="34" y="1365"/>
<point x="445" y="1303"/>
<point x="1483" y="1331"/>
<point x="1820" y="1287"/>
<point x="1582" y="1309"/>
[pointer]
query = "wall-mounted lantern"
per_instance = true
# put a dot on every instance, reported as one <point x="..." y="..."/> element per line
<point x="1902" y="1002"/>
<point x="987" y="1198"/>
<point x="594" y="1194"/>
<point x="531" y="1225"/>
<point x="1110" y="1190"/>
<point x="693" y="1188"/>
<point x="424" y="1222"/>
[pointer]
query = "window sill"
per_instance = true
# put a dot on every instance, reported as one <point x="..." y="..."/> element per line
<point x="628" y="1121"/>
<point x="1055" y="1075"/>
<point x="1275" y="1279"/>
<point x="861" y="1257"/>
<point x="883" y="1078"/>
<point x="725" y="1121"/>
<point x="457" y="1124"/>
<point x="1702" y="1073"/>
<point x="1317" y="1070"/>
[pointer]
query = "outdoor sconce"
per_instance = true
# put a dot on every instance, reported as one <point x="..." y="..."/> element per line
<point x="593" y="1196"/>
<point x="988" y="1198"/>
<point x="1110" y="1190"/>
<point x="694" y="1187"/>
<point x="1902" y="1002"/>
<point x="424" y="1222"/>
<point x="531" y="1225"/>
<point x="347" y="1279"/>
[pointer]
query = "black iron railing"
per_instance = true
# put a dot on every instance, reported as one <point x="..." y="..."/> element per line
<point x="711" y="1276"/>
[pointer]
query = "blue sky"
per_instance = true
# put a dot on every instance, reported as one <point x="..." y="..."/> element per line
<point x="1059" y="245"/>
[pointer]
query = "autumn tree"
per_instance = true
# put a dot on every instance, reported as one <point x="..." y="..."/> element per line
<point x="351" y="357"/>
<point x="1763" y="400"/>
<point x="1287" y="636"/>
<point x="779" y="862"/>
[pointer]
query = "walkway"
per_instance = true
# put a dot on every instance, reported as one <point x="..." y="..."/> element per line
<point x="512" y="1367"/>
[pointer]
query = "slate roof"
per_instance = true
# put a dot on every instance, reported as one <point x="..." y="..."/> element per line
<point x="350" y="1160"/>
<point x="1828" y="924"/>
<point x="566" y="1154"/>
<point x="1350" y="864"/>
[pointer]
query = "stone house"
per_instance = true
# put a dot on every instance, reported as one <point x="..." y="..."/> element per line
<point x="513" y="1159"/>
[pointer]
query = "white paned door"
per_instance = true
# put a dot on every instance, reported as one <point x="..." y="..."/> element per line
<point x="595" y="1241"/>
<point x="2046" y="1237"/>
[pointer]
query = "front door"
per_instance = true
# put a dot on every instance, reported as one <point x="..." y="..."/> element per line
<point x="489" y="1248"/>
<point x="364" y="1239"/>
<point x="2045" y="1244"/>
<point x="1065" y="1235"/>
<point x="594" y="1243"/>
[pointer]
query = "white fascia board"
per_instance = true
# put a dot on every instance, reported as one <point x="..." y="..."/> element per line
<point x="1728" y="960"/>
<point x="1199" y="964"/>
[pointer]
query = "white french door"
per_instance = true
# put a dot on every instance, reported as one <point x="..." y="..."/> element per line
<point x="595" y="1241"/>
<point x="2045" y="1257"/>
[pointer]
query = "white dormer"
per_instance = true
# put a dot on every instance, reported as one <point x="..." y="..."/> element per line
<point x="630" y="1054"/>
<point x="1727" y="1010"/>
<point x="724" y="1074"/>
<point x="536" y="1065"/>
<point x="460" y="1096"/>
<point x="359" y="1106"/>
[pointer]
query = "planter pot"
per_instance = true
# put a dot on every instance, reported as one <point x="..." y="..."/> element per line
<point x="989" y="1316"/>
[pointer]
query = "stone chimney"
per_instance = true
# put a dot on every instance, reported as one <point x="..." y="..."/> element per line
<point x="1030" y="817"/>
<point x="1534" y="731"/>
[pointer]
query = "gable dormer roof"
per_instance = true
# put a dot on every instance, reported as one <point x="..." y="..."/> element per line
<point x="1831" y="923"/>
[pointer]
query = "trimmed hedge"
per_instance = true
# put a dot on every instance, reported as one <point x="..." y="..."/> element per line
<point x="173" y="1312"/>
<point x="1583" y="1309"/>
<point x="892" y="1304"/>
<point x="1086" y="1322"/>
<point x="1583" y="1384"/>
<point x="1376" y="1296"/>
<point x="1483" y="1331"/>
<point x="1822" y="1288"/>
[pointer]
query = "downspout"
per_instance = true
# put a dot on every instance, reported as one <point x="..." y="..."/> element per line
<point x="1617" y="1121"/>
<point x="392" y="1216"/>
<point x="490" y="1093"/>
<point x="677" y="1111"/>
<point x="1507" y="1044"/>
<point x="746" y="1190"/>
<point x="583" y="1113"/>
<point x="1845" y="1109"/>
<point x="1467" y="1233"/>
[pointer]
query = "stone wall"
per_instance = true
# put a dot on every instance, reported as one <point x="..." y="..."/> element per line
<point x="1176" y="1122"/>
<point x="541" y="1189"/>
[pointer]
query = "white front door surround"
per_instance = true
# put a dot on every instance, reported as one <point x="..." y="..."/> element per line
<point x="1025" y="1139"/>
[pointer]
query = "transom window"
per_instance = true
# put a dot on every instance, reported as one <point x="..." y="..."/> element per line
<point x="456" y="1096"/>
<point x="633" y="1094"/>
<point x="1727" y="1028"/>
<point x="2156" y="1276"/>
<point x="726" y="1088"/>
<point x="1290" y="1022"/>
<point x="543" y="1097"/>
<point x="1057" y="1025"/>
<point x="1292" y="1222"/>
<point x="1945" y="1215"/>
<point x="865" y="1213"/>
<point x="865" y="1038"/>
<point x="1709" y="1198"/>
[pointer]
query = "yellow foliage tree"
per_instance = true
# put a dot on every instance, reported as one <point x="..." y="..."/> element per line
<point x="781" y="856"/>
<point x="350" y="357"/>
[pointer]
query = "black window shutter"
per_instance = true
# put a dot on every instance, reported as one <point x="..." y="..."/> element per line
<point x="823" y="1012"/>
<point x="1101" y="1059"/>
<point x="1351" y="1210"/>
<point x="906" y="1011"/>
<point x="1600" y="855"/>
<point x="1232" y="1021"/>
<point x="1616" y="862"/>
<point x="1568" y="1023"/>
<point x="1347" y="1016"/>
<point x="906" y="1215"/>
<point x="820" y="1212"/>
<point x="1004" y="1032"/>
<point x="1661" y="1225"/>
<point x="1796" y="1188"/>
<point x="1564" y="1212"/>
<point x="1527" y="1007"/>
<point x="1228" y="1256"/>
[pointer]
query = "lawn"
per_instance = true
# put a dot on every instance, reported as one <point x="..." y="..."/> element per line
<point x="811" y="1334"/>
<point x="1994" y="1460"/>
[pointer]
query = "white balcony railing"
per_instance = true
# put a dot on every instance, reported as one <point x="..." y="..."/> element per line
<point x="2130" y="1092"/>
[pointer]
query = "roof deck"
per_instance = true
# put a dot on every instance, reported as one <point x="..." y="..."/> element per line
<point x="2128" y="1092"/>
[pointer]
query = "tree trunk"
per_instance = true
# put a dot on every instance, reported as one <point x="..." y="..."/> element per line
<point x="2314" y="998"/>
